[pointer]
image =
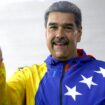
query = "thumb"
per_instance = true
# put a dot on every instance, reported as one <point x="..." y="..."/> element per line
<point x="1" y="56"/>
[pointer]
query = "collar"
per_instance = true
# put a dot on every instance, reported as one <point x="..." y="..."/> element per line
<point x="82" y="57"/>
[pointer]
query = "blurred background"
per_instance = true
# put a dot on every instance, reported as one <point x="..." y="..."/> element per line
<point x="22" y="37"/>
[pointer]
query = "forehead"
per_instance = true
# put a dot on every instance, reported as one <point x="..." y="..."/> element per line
<point x="60" y="17"/>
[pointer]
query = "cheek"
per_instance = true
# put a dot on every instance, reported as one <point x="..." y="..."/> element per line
<point x="49" y="36"/>
<point x="48" y="40"/>
<point x="72" y="40"/>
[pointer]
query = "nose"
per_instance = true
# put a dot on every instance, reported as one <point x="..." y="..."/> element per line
<point x="60" y="32"/>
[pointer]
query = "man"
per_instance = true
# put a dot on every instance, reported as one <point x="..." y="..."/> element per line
<point x="67" y="77"/>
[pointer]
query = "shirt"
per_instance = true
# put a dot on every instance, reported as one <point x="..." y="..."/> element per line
<point x="78" y="81"/>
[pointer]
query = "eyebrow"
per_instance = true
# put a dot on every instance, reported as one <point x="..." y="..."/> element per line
<point x="65" y="24"/>
<point x="68" y="24"/>
<point x="51" y="24"/>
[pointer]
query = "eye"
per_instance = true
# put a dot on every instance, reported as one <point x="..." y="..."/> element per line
<point x="68" y="28"/>
<point x="53" y="27"/>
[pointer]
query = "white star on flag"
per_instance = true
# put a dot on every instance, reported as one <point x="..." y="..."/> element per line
<point x="102" y="71"/>
<point x="88" y="81"/>
<point x="72" y="92"/>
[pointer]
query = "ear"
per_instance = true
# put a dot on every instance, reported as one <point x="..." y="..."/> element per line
<point x="79" y="34"/>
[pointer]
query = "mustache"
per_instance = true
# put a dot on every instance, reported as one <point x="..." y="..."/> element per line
<point x="61" y="40"/>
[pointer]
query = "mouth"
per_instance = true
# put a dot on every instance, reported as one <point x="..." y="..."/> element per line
<point x="60" y="43"/>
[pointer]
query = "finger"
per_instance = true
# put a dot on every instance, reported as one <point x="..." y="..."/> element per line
<point x="1" y="56"/>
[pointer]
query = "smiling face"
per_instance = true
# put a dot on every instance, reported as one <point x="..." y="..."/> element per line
<point x="62" y="35"/>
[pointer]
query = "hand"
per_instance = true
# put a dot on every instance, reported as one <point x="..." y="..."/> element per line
<point x="1" y="59"/>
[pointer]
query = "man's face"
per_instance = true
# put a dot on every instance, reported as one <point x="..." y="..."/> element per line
<point x="62" y="35"/>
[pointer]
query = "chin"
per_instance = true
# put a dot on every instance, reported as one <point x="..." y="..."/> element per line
<point x="61" y="57"/>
